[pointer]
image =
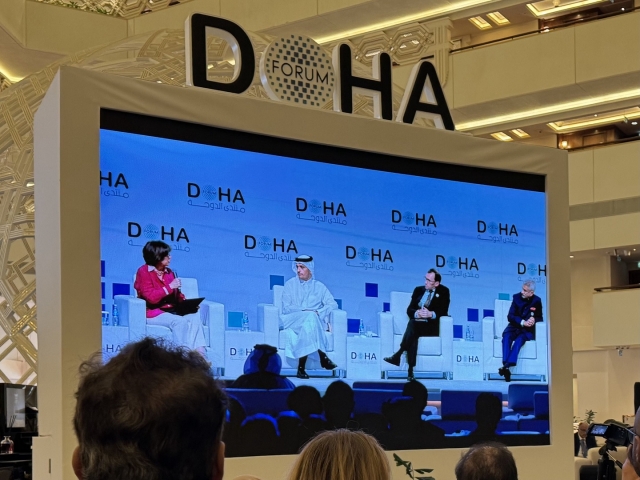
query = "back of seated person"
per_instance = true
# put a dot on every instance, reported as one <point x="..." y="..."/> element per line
<point x="488" y="415"/>
<point x="341" y="455"/>
<point x="375" y="424"/>
<point x="407" y="430"/>
<point x="338" y="404"/>
<point x="288" y="425"/>
<point x="262" y="370"/>
<point x="259" y="436"/>
<point x="305" y="400"/>
<point x="231" y="434"/>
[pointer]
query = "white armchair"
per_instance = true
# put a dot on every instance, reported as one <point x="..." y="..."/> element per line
<point x="435" y="354"/>
<point x="532" y="360"/>
<point x="274" y="334"/>
<point x="132" y="313"/>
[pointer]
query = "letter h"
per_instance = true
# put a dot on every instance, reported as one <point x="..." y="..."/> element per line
<point x="380" y="87"/>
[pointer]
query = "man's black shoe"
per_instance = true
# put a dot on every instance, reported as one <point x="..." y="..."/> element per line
<point x="327" y="364"/>
<point x="302" y="374"/>
<point x="506" y="373"/>
<point x="393" y="360"/>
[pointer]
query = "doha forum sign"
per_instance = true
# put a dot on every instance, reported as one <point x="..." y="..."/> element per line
<point x="296" y="70"/>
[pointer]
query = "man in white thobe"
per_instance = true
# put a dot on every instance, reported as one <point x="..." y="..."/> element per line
<point x="306" y="308"/>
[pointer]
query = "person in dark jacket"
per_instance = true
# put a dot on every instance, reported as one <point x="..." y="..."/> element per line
<point x="525" y="312"/>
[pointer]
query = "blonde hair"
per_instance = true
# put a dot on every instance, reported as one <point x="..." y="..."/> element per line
<point x="341" y="455"/>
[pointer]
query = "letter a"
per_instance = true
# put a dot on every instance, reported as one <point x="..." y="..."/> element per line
<point x="435" y="109"/>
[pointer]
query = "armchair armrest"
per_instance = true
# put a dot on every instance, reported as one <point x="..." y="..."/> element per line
<point x="446" y="338"/>
<point x="212" y="314"/>
<point x="269" y="322"/>
<point x="541" y="342"/>
<point x="541" y="332"/>
<point x="488" y="325"/>
<point x="385" y="330"/>
<point x="132" y="312"/>
<point x="339" y="326"/>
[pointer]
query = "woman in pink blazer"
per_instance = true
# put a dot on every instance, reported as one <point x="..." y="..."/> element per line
<point x="157" y="285"/>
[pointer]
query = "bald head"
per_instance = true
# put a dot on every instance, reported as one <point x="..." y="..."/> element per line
<point x="487" y="461"/>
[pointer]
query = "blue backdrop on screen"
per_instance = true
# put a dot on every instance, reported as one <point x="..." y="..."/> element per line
<point x="236" y="219"/>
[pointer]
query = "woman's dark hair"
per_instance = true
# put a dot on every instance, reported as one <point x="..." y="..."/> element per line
<point x="154" y="252"/>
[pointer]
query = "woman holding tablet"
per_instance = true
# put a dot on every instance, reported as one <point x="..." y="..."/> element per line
<point x="158" y="286"/>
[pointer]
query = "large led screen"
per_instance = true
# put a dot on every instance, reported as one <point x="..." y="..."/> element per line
<point x="237" y="209"/>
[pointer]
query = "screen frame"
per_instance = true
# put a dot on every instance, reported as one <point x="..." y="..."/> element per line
<point x="68" y="235"/>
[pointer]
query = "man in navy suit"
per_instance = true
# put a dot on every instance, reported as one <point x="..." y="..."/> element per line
<point x="428" y="304"/>
<point x="525" y="312"/>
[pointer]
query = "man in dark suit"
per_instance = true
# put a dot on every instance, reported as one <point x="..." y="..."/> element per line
<point x="525" y="312"/>
<point x="583" y="442"/>
<point x="428" y="304"/>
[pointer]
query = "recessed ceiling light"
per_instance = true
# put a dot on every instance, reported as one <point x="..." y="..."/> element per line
<point x="498" y="18"/>
<point x="634" y="123"/>
<point x="503" y="137"/>
<point x="520" y="133"/>
<point x="570" y="256"/>
<point x="480" y="22"/>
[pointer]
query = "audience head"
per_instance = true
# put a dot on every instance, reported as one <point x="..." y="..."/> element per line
<point x="487" y="461"/>
<point x="305" y="400"/>
<point x="152" y="412"/>
<point x="341" y="455"/>
<point x="403" y="413"/>
<point x="260" y="435"/>
<point x="488" y="410"/>
<point x="417" y="391"/>
<point x="263" y="358"/>
<point x="338" y="403"/>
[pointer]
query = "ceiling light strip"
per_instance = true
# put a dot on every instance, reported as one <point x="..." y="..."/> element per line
<point x="558" y="108"/>
<point x="396" y="22"/>
<point x="560" y="128"/>
<point x="560" y="8"/>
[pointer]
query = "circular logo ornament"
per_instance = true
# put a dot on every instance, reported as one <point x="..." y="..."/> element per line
<point x="151" y="231"/>
<point x="295" y="69"/>
<point x="209" y="192"/>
